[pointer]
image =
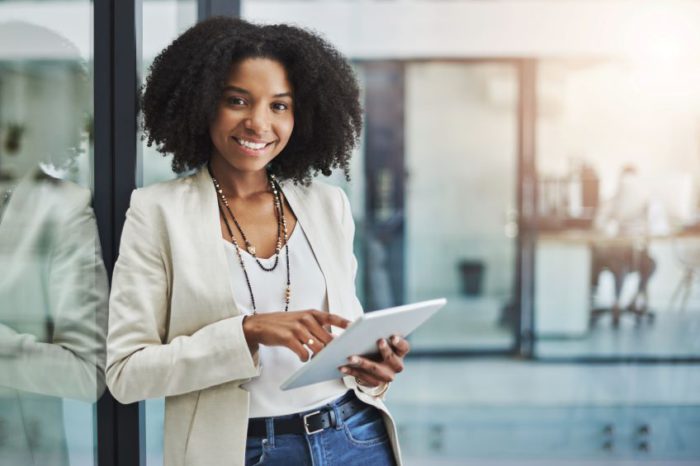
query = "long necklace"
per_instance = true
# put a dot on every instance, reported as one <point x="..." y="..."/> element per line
<point x="281" y="227"/>
<point x="279" y="213"/>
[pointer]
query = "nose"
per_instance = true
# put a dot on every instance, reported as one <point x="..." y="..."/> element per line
<point x="258" y="120"/>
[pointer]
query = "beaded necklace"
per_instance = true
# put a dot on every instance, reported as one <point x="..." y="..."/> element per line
<point x="281" y="231"/>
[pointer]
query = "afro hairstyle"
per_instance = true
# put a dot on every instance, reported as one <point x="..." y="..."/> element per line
<point x="187" y="79"/>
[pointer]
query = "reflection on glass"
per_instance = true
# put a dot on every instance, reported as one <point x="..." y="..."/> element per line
<point x="53" y="286"/>
<point x="619" y="170"/>
<point x="461" y="159"/>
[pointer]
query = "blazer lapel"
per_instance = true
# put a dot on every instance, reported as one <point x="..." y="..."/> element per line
<point x="210" y="241"/>
<point x="315" y="228"/>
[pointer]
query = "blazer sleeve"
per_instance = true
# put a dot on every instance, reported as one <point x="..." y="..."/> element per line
<point x="140" y="363"/>
<point x="348" y="225"/>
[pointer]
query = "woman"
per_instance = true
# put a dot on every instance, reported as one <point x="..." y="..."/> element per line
<point x="230" y="277"/>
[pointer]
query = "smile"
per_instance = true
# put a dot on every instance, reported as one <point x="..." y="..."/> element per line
<point x="250" y="144"/>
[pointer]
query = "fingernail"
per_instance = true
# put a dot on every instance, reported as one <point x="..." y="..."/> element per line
<point x="354" y="359"/>
<point x="344" y="370"/>
<point x="395" y="339"/>
<point x="382" y="343"/>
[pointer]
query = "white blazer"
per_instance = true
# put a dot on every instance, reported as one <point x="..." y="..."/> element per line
<point x="174" y="328"/>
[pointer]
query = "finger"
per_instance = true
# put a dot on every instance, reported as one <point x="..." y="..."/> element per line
<point x="401" y="346"/>
<point x="326" y="318"/>
<point x="368" y="380"/>
<point x="389" y="356"/>
<point x="299" y="349"/>
<point x="307" y="339"/>
<point x="318" y="332"/>
<point x="376" y="370"/>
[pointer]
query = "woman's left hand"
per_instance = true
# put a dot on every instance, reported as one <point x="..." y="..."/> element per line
<point x="371" y="373"/>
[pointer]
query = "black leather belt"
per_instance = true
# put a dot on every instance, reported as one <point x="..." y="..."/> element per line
<point x="306" y="423"/>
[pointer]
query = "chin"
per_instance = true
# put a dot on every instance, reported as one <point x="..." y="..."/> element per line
<point x="249" y="165"/>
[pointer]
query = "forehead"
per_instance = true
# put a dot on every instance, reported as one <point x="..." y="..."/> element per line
<point x="259" y="76"/>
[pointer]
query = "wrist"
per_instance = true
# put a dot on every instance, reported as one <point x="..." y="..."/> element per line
<point x="249" y="332"/>
<point x="377" y="391"/>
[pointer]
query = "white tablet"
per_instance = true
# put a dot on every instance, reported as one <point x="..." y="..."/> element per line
<point x="361" y="338"/>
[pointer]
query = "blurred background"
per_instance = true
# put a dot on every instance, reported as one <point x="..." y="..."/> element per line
<point x="537" y="162"/>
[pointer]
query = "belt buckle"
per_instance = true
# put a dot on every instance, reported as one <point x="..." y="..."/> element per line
<point x="306" y="424"/>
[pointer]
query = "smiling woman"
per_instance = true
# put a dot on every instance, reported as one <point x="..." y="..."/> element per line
<point x="229" y="279"/>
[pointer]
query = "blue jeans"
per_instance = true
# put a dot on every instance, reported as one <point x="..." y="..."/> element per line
<point x="360" y="440"/>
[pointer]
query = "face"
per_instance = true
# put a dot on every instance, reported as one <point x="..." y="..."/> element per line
<point x="255" y="117"/>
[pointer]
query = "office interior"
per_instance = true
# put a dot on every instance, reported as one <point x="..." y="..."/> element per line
<point x="536" y="162"/>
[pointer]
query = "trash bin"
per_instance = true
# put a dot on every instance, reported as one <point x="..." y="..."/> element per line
<point x="472" y="275"/>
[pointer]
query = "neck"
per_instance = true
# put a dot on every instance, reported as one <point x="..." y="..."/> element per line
<point x="236" y="183"/>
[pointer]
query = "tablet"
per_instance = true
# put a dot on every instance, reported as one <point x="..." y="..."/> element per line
<point x="361" y="338"/>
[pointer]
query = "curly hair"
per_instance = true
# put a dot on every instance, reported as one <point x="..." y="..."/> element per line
<point x="188" y="77"/>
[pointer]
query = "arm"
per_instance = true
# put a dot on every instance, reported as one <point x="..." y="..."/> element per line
<point x="69" y="362"/>
<point x="140" y="363"/>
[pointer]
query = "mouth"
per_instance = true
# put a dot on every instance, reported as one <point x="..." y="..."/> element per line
<point x="252" y="147"/>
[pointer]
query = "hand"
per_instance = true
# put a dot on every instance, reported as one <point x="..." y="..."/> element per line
<point x="293" y="330"/>
<point x="371" y="373"/>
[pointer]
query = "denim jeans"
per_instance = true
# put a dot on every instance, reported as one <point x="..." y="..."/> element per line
<point x="360" y="440"/>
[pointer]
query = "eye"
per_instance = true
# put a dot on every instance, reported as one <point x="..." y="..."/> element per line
<point x="233" y="100"/>
<point x="280" y="107"/>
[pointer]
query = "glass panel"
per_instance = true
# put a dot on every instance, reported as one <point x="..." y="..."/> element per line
<point x="618" y="202"/>
<point x="53" y="286"/>
<point x="163" y="21"/>
<point x="460" y="201"/>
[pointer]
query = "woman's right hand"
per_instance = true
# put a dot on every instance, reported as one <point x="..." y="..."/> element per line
<point x="293" y="330"/>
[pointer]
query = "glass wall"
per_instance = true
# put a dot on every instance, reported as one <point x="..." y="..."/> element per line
<point x="618" y="167"/>
<point x="461" y="130"/>
<point x="53" y="285"/>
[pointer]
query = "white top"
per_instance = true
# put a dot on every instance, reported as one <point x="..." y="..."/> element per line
<point x="278" y="362"/>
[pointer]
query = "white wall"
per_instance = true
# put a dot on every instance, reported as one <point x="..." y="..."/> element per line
<point x="486" y="28"/>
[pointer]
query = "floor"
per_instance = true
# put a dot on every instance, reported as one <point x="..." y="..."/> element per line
<point x="475" y="324"/>
<point x="670" y="334"/>
<point x="508" y="412"/>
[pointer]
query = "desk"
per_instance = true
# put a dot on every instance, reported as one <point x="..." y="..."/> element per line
<point x="562" y="276"/>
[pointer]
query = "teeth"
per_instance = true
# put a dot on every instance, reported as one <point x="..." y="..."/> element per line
<point x="251" y="145"/>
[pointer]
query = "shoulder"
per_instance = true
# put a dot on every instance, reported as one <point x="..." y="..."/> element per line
<point x="327" y="203"/>
<point x="318" y="194"/>
<point x="74" y="196"/>
<point x="59" y="198"/>
<point x="166" y="194"/>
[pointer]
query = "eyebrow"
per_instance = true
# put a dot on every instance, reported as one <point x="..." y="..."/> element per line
<point x="243" y="91"/>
